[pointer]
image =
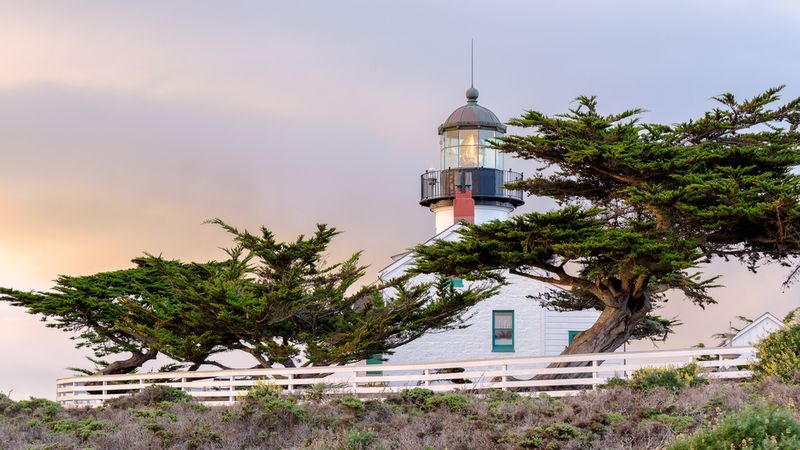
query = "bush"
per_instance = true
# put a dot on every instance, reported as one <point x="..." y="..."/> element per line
<point x="83" y="429"/>
<point x="455" y="403"/>
<point x="552" y="435"/>
<point x="754" y="427"/>
<point x="415" y="397"/>
<point x="355" y="405"/>
<point x="671" y="378"/>
<point x="360" y="440"/>
<point x="38" y="407"/>
<point x="779" y="355"/>
<point x="150" y="396"/>
<point x="267" y="398"/>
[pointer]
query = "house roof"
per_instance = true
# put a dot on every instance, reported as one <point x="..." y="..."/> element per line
<point x="407" y="257"/>
<point x="767" y="316"/>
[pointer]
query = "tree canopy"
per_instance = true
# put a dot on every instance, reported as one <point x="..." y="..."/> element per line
<point x="641" y="207"/>
<point x="278" y="301"/>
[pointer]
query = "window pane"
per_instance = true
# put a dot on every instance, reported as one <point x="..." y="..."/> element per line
<point x="450" y="157"/>
<point x="498" y="155"/>
<point x="468" y="137"/>
<point x="504" y="320"/>
<point x="486" y="136"/>
<point x="469" y="156"/>
<point x="450" y="138"/>
<point x="487" y="157"/>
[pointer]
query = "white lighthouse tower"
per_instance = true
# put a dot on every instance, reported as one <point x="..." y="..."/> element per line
<point x="470" y="183"/>
<point x="470" y="186"/>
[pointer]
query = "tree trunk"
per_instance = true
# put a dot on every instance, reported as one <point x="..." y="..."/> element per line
<point x="611" y="330"/>
<point x="136" y="360"/>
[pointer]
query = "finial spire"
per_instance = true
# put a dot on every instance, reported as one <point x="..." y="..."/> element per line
<point x="472" y="93"/>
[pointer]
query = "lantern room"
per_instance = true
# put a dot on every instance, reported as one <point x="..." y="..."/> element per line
<point x="465" y="136"/>
<point x="469" y="164"/>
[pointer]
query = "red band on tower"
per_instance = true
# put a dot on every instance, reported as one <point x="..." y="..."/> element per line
<point x="463" y="206"/>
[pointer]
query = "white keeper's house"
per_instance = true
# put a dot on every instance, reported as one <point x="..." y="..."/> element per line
<point x="469" y="186"/>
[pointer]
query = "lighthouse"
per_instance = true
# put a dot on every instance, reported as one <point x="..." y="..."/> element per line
<point x="470" y="184"/>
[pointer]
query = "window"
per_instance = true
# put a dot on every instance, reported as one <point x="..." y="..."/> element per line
<point x="571" y="335"/>
<point x="468" y="148"/>
<point x="455" y="282"/>
<point x="374" y="359"/>
<point x="502" y="331"/>
<point x="449" y="157"/>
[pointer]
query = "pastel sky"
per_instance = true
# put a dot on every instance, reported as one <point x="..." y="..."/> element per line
<point x="123" y="126"/>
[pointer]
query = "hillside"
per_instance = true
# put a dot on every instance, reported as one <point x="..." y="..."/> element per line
<point x="646" y="415"/>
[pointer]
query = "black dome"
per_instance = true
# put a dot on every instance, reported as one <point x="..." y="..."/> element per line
<point x="472" y="115"/>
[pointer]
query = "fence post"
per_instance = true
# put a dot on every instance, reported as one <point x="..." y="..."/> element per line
<point x="354" y="384"/>
<point x="504" y="378"/>
<point x="290" y="386"/>
<point x="141" y="384"/>
<point x="427" y="372"/>
<point x="183" y="384"/>
<point x="594" y="374"/>
<point x="104" y="389"/>
<point x="231" y="390"/>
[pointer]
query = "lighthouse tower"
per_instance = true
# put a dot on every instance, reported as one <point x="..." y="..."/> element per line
<point x="470" y="183"/>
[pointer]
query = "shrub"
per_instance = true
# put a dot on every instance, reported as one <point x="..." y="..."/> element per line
<point x="267" y="398"/>
<point x="360" y="440"/>
<point x="150" y="396"/>
<point x="38" y="407"/>
<point x="83" y="429"/>
<point x="615" y="381"/>
<point x="671" y="378"/>
<point x="779" y="355"/>
<point x="754" y="427"/>
<point x="353" y="404"/>
<point x="455" y="403"/>
<point x="415" y="397"/>
<point x="552" y="435"/>
<point x="677" y="423"/>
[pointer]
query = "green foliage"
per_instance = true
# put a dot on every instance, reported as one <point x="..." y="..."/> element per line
<point x="267" y="398"/>
<point x="613" y="417"/>
<point x="755" y="427"/>
<point x="360" y="439"/>
<point x="155" y="395"/>
<point x="456" y="403"/>
<point x="779" y="355"/>
<point x="641" y="206"/>
<point x="551" y="436"/>
<point x="671" y="378"/>
<point x="39" y="407"/>
<point x="615" y="381"/>
<point x="415" y="397"/>
<point x="677" y="423"/>
<point x="354" y="404"/>
<point x="84" y="429"/>
<point x="275" y="300"/>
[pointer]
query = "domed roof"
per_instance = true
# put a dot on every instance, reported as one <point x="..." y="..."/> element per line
<point x="472" y="115"/>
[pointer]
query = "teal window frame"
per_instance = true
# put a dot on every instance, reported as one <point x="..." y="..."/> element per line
<point x="503" y="347"/>
<point x="375" y="360"/>
<point x="455" y="282"/>
<point x="571" y="335"/>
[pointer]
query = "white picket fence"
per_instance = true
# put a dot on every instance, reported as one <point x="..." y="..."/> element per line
<point x="226" y="386"/>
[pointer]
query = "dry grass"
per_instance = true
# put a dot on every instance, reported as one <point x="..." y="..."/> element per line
<point x="619" y="418"/>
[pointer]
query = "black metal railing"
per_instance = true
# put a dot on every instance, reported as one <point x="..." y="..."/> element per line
<point x="485" y="184"/>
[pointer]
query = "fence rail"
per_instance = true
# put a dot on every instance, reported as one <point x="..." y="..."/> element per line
<point x="526" y="374"/>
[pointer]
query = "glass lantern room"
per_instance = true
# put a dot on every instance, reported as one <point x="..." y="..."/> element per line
<point x="470" y="148"/>
<point x="465" y="136"/>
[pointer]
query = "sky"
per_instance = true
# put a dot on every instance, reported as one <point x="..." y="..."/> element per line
<point x="125" y="125"/>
